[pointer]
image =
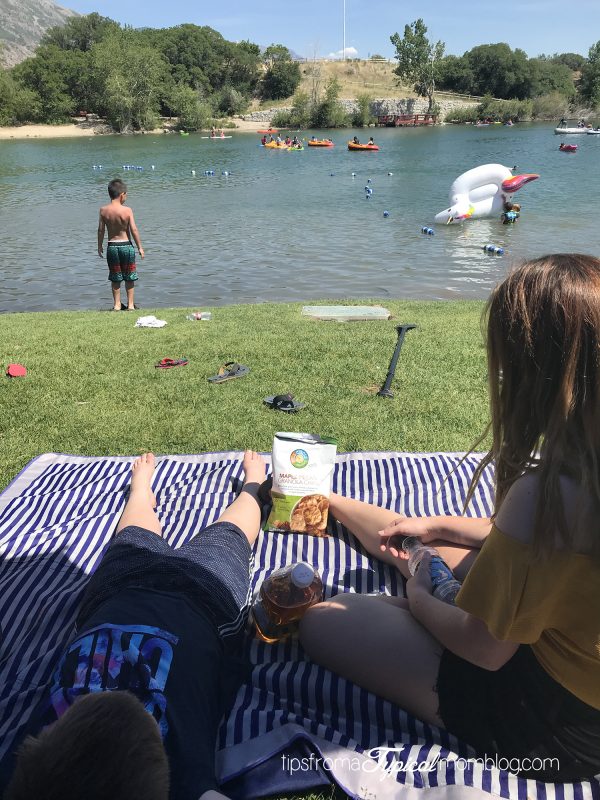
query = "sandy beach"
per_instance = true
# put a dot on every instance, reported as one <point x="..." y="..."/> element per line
<point x="46" y="132"/>
<point x="73" y="131"/>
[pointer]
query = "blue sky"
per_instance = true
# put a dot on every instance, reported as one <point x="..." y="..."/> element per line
<point x="312" y="27"/>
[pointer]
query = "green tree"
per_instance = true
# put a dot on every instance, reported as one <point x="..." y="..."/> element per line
<point x="418" y="59"/>
<point x="499" y="71"/>
<point x="134" y="76"/>
<point x="362" y="116"/>
<point x="281" y="80"/>
<point x="59" y="77"/>
<point x="589" y="85"/>
<point x="193" y="113"/>
<point x="80" y="33"/>
<point x="574" y="61"/>
<point x="548" y="77"/>
<point x="329" y="113"/>
<point x="275" y="53"/>
<point x="455" y="75"/>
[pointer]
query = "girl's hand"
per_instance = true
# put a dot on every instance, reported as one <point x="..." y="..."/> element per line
<point x="420" y="584"/>
<point x="426" y="528"/>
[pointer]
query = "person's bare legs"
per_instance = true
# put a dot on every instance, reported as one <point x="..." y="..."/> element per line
<point x="129" y="287"/>
<point x="365" y="521"/>
<point x="245" y="511"/>
<point x="116" y="293"/>
<point x="141" y="502"/>
<point x="378" y="645"/>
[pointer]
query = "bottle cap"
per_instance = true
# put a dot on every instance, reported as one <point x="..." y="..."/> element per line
<point x="302" y="575"/>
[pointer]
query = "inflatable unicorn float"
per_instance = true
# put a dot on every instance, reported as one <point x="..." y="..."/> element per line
<point x="482" y="192"/>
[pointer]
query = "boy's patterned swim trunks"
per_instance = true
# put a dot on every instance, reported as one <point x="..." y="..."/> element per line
<point x="121" y="262"/>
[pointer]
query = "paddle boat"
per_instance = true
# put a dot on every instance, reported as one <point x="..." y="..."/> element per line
<point x="570" y="131"/>
<point x="354" y="146"/>
<point x="320" y="143"/>
<point x="482" y="192"/>
<point x="567" y="148"/>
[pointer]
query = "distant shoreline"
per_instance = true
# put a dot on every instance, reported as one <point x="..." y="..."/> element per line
<point x="72" y="131"/>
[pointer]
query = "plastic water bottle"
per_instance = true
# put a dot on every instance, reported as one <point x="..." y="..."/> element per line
<point x="428" y="231"/>
<point x="492" y="248"/>
<point x="445" y="586"/>
<point x="205" y="316"/>
<point x="284" y="598"/>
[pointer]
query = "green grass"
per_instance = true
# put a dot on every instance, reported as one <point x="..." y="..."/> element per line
<point x="92" y="387"/>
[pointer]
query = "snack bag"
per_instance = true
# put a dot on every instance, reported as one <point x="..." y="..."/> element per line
<point x="302" y="471"/>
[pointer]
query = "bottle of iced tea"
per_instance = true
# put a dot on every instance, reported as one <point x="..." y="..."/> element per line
<point x="283" y="599"/>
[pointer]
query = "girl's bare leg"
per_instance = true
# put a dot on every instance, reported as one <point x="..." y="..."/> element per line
<point x="245" y="511"/>
<point x="379" y="646"/>
<point x="141" y="503"/>
<point x="365" y="521"/>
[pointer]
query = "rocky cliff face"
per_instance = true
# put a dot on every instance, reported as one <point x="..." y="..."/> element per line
<point x="22" y="25"/>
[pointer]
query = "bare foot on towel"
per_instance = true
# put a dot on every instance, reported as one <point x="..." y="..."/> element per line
<point x="255" y="470"/>
<point x="141" y="503"/>
<point x="141" y="477"/>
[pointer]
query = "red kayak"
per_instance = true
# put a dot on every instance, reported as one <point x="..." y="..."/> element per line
<point x="568" y="148"/>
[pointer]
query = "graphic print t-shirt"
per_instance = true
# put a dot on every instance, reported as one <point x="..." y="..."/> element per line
<point x="167" y="653"/>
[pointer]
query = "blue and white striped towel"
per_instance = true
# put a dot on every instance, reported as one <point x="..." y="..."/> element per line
<point x="57" y="518"/>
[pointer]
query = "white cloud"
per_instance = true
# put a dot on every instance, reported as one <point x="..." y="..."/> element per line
<point x="351" y="52"/>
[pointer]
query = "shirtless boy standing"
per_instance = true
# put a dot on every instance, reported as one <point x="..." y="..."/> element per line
<point x="120" y="252"/>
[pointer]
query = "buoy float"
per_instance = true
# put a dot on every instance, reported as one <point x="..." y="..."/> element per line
<point x="428" y="231"/>
<point x="386" y="213"/>
<point x="494" y="249"/>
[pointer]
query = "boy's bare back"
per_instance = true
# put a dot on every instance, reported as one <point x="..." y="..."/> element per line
<point x="117" y="219"/>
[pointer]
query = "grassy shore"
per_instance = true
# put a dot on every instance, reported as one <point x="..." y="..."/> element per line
<point x="92" y="387"/>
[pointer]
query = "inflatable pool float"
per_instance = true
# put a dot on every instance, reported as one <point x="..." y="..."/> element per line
<point x="353" y="146"/>
<point x="295" y="147"/>
<point x="184" y="133"/>
<point x="569" y="131"/>
<point x="319" y="143"/>
<point x="275" y="146"/>
<point x="593" y="131"/>
<point x="568" y="148"/>
<point x="482" y="192"/>
<point x="269" y="130"/>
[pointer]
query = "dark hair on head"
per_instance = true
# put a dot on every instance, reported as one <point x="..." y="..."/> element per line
<point x="105" y="745"/>
<point x="116" y="188"/>
<point x="543" y="348"/>
<point x="508" y="206"/>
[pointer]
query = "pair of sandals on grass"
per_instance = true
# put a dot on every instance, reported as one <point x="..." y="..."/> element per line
<point x="232" y="370"/>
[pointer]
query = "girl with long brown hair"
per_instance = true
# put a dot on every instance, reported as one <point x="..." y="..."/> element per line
<point x="514" y="667"/>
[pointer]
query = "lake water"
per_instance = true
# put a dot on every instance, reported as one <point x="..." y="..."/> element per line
<point x="281" y="226"/>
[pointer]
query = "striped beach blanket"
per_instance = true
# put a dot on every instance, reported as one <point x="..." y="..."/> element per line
<point x="56" y="520"/>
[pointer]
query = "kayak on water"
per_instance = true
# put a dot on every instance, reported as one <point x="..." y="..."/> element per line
<point x="269" y="130"/>
<point x="216" y="137"/>
<point x="568" y="148"/>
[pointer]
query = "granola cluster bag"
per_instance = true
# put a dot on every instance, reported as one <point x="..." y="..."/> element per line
<point x="302" y="472"/>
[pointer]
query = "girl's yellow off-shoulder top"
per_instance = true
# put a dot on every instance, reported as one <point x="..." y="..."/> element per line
<point x="552" y="605"/>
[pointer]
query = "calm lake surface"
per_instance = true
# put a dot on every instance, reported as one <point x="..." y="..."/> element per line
<point x="281" y="226"/>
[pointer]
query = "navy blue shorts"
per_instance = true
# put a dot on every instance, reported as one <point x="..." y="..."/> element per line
<point x="212" y="571"/>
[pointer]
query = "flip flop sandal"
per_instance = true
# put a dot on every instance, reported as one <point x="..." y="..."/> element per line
<point x="229" y="371"/>
<point x="284" y="402"/>
<point x="167" y="363"/>
<point x="16" y="371"/>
